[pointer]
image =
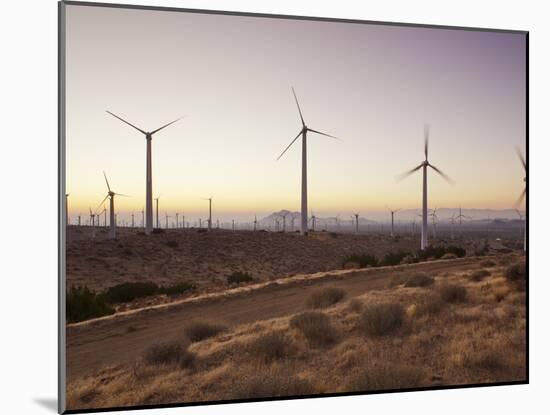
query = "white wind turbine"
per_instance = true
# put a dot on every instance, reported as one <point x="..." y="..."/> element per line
<point x="356" y="216"/>
<point x="393" y="212"/>
<point x="67" y="209"/>
<point x="434" y="217"/>
<point x="92" y="222"/>
<point x="255" y="222"/>
<point x="209" y="212"/>
<point x="111" y="196"/>
<point x="303" y="132"/>
<point x="522" y="195"/>
<point x="149" y="173"/>
<point x="424" y="166"/>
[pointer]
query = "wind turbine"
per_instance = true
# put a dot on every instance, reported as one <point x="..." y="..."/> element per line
<point x="424" y="166"/>
<point x="132" y="219"/>
<point x="209" y="212"/>
<point x="522" y="195"/>
<point x="434" y="217"/>
<point x="149" y="175"/>
<point x="111" y="196"/>
<point x="303" y="132"/>
<point x="255" y="222"/>
<point x="356" y="216"/>
<point x="79" y="215"/>
<point x="167" y="217"/>
<point x="452" y="220"/>
<point x="313" y="221"/>
<point x="459" y="217"/>
<point x="393" y="212"/>
<point x="284" y="221"/>
<point x="177" y="220"/>
<point x="67" y="209"/>
<point x="157" y="210"/>
<point x="92" y="222"/>
<point x="521" y="230"/>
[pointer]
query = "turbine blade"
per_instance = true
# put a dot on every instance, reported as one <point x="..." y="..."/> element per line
<point x="319" y="132"/>
<point x="124" y="121"/>
<point x="166" y="125"/>
<point x="103" y="201"/>
<point x="107" y="181"/>
<point x="451" y="181"/>
<point x="292" y="142"/>
<point x="298" y="105"/>
<point x="426" y="139"/>
<point x="408" y="173"/>
<point x="520" y="198"/>
<point x="522" y="159"/>
<point x="123" y="195"/>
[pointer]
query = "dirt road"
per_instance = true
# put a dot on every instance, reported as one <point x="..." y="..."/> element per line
<point x="123" y="339"/>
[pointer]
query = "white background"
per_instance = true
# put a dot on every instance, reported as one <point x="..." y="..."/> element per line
<point x="28" y="167"/>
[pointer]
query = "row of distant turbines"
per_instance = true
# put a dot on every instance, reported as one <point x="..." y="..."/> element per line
<point x="303" y="133"/>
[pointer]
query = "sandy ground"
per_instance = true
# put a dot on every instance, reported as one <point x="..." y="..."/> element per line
<point x="122" y="338"/>
<point x="205" y="259"/>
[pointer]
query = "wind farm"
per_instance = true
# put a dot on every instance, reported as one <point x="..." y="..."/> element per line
<point x="259" y="261"/>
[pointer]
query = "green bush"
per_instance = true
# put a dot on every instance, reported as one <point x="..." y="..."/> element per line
<point x="457" y="250"/>
<point x="362" y="260"/>
<point x="381" y="319"/>
<point x="128" y="291"/>
<point x="393" y="258"/>
<point x="239" y="277"/>
<point x="83" y="304"/>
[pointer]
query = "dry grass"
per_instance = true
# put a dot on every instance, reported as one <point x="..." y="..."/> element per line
<point x="451" y="293"/>
<point x="381" y="319"/>
<point x="419" y="280"/>
<point x="479" y="275"/>
<point x="516" y="275"/>
<point x="325" y="297"/>
<point x="200" y="330"/>
<point x="315" y="327"/>
<point x="437" y="341"/>
<point x="385" y="375"/>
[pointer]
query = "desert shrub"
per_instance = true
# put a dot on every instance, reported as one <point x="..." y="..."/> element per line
<point x="487" y="263"/>
<point x="386" y="375"/>
<point x="396" y="280"/>
<point x="449" y="256"/>
<point x="128" y="291"/>
<point x="83" y="304"/>
<point x="393" y="258"/>
<point x="516" y="275"/>
<point x="202" y="230"/>
<point x="174" y="352"/>
<point x="172" y="243"/>
<point x="200" y="330"/>
<point x="356" y="305"/>
<point x="431" y="252"/>
<point x="429" y="304"/>
<point x="451" y="293"/>
<point x="158" y="231"/>
<point x="239" y="277"/>
<point x="269" y="382"/>
<point x="175" y="289"/>
<point x="362" y="260"/>
<point x="316" y="328"/>
<point x="479" y="275"/>
<point x="456" y="250"/>
<point x="270" y="346"/>
<point x="381" y="319"/>
<point x="419" y="280"/>
<point x="325" y="297"/>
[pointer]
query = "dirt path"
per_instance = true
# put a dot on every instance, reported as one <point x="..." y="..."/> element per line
<point x="124" y="338"/>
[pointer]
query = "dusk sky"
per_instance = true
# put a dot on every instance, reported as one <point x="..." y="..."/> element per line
<point x="373" y="86"/>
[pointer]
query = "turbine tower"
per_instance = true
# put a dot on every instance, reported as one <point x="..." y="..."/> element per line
<point x="255" y="222"/>
<point x="356" y="216"/>
<point x="209" y="212"/>
<point x="522" y="195"/>
<point x="393" y="212"/>
<point x="434" y="217"/>
<point x="149" y="174"/>
<point x="67" y="209"/>
<point x="303" y="132"/>
<point x="92" y="222"/>
<point x="459" y="217"/>
<point x="157" y="210"/>
<point x="111" y="196"/>
<point x="424" y="166"/>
